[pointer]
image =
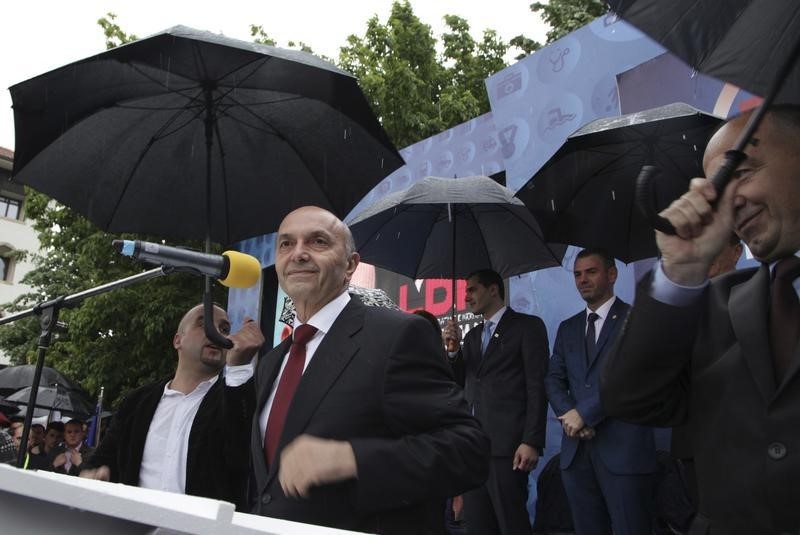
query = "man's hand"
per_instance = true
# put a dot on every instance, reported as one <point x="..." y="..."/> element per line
<point x="571" y="422"/>
<point x="60" y="460"/>
<point x="451" y="335"/>
<point x="587" y="433"/>
<point x="103" y="473"/>
<point x="76" y="457"/>
<point x="246" y="343"/>
<point x="525" y="458"/>
<point x="702" y="231"/>
<point x="309" y="461"/>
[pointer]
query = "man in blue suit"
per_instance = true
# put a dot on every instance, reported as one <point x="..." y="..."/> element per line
<point x="607" y="465"/>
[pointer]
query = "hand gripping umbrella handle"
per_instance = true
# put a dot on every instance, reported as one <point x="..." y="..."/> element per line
<point x="649" y="174"/>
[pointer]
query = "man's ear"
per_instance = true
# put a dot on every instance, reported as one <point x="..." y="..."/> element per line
<point x="352" y="264"/>
<point x="612" y="274"/>
<point x="176" y="341"/>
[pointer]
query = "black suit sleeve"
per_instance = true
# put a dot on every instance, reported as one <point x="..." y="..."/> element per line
<point x="437" y="447"/>
<point x="535" y="354"/>
<point x="646" y="377"/>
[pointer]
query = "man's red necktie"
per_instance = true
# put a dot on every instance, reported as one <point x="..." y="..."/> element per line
<point x="287" y="385"/>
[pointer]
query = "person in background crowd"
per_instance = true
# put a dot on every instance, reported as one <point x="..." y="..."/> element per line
<point x="68" y="457"/>
<point x="504" y="361"/>
<point x="607" y="466"/>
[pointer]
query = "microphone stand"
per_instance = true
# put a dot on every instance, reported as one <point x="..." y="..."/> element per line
<point x="48" y="312"/>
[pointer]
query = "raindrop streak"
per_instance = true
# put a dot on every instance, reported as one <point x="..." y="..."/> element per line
<point x="613" y="195"/>
<point x="552" y="205"/>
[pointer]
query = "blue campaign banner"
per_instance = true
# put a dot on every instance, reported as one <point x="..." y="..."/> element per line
<point x="539" y="101"/>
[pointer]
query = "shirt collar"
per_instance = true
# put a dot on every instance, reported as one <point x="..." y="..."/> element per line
<point x="324" y="318"/>
<point x="602" y="310"/>
<point x="203" y="387"/>
<point x="495" y="319"/>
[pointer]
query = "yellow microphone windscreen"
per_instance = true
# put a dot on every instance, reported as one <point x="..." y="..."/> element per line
<point x="243" y="272"/>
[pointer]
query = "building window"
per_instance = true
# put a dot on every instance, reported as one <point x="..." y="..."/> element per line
<point x="6" y="263"/>
<point x="10" y="208"/>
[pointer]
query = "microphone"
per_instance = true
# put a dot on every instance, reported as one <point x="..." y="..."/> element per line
<point x="232" y="268"/>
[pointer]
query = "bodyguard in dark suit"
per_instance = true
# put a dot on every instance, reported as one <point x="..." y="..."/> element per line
<point x="725" y="354"/>
<point x="359" y="423"/>
<point x="607" y="465"/>
<point x="204" y="411"/>
<point x="503" y="361"/>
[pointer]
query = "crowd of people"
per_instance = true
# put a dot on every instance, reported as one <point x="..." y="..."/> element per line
<point x="376" y="420"/>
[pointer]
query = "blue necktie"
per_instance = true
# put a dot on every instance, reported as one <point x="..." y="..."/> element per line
<point x="591" y="343"/>
<point x="486" y="336"/>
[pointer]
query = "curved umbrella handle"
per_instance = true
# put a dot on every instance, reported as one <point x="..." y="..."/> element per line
<point x="645" y="183"/>
<point x="210" y="329"/>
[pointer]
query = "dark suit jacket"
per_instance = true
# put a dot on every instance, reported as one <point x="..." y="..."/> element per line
<point x="746" y="437"/>
<point x="506" y="386"/>
<point x="378" y="381"/>
<point x="217" y="459"/>
<point x="74" y="470"/>
<point x="572" y="384"/>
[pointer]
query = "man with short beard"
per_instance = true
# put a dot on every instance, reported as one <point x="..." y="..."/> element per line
<point x="188" y="434"/>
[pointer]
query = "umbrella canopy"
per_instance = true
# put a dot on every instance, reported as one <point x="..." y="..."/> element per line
<point x="745" y="42"/>
<point x="585" y="193"/>
<point x="15" y="378"/>
<point x="142" y="137"/>
<point x="448" y="228"/>
<point x="72" y="402"/>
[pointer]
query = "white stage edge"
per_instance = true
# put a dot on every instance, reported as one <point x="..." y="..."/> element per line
<point x="45" y="502"/>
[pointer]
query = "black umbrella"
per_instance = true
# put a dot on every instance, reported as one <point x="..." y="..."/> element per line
<point x="448" y="228"/>
<point x="753" y="44"/>
<point x="584" y="195"/>
<point x="744" y="42"/>
<point x="54" y="398"/>
<point x="193" y="135"/>
<point x="15" y="378"/>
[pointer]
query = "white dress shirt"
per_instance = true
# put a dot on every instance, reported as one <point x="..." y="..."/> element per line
<point x="322" y="320"/>
<point x="602" y="314"/>
<point x="164" y="458"/>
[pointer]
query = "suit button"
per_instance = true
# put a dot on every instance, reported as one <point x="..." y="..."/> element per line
<point x="776" y="451"/>
<point x="266" y="498"/>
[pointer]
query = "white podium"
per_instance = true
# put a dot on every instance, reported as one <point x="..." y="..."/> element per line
<point x="44" y="502"/>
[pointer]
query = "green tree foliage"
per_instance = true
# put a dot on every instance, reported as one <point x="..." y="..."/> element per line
<point x="415" y="90"/>
<point x="114" y="34"/>
<point x="565" y="16"/>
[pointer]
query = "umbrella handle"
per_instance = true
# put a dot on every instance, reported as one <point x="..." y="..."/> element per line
<point x="649" y="174"/>
<point x="210" y="329"/>
<point x="645" y="183"/>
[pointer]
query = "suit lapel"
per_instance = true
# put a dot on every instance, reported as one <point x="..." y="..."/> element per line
<point x="747" y="307"/>
<point x="615" y="315"/>
<point x="330" y="359"/>
<point x="496" y="340"/>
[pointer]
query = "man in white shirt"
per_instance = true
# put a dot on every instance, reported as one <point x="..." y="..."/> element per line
<point x="188" y="434"/>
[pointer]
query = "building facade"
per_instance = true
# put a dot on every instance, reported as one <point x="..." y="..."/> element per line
<point x="16" y="234"/>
